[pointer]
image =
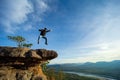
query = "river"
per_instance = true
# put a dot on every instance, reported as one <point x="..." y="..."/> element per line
<point x="90" y="75"/>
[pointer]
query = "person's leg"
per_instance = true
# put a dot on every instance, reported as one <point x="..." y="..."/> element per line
<point x="38" y="38"/>
<point x="45" y="40"/>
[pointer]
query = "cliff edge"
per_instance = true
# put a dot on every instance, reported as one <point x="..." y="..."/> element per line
<point x="23" y="63"/>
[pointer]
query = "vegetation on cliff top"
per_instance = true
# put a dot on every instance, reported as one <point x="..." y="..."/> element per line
<point x="20" y="41"/>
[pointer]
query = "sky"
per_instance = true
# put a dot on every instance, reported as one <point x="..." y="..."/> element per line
<point x="81" y="30"/>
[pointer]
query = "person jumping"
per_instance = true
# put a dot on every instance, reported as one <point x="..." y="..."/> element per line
<point x="42" y="34"/>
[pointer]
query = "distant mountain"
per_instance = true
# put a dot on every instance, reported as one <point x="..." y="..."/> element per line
<point x="110" y="69"/>
<point x="113" y="64"/>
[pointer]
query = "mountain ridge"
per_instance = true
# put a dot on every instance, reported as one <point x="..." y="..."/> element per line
<point x="110" y="69"/>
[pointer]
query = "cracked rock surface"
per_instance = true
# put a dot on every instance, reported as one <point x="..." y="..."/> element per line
<point x="23" y="63"/>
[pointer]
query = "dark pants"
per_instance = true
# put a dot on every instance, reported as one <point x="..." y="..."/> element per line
<point x="43" y="38"/>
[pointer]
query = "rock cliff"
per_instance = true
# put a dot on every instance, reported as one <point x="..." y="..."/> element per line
<point x="23" y="63"/>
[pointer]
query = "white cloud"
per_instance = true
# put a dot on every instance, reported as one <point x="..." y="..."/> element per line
<point x="28" y="27"/>
<point x="39" y="7"/>
<point x="15" y="13"/>
<point x="19" y="10"/>
<point x="42" y="6"/>
<point x="91" y="53"/>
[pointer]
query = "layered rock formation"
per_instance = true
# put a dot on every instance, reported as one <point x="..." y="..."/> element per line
<point x="23" y="63"/>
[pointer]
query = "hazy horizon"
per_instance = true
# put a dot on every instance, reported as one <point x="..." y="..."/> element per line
<point x="51" y="63"/>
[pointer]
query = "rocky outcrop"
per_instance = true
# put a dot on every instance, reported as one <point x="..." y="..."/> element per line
<point x="23" y="63"/>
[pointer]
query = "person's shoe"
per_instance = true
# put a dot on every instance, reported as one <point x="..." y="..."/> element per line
<point x="46" y="43"/>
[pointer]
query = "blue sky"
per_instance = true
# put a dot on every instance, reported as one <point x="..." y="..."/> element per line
<point x="82" y="30"/>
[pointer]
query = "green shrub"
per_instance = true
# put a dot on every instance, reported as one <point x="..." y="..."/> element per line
<point x="20" y="41"/>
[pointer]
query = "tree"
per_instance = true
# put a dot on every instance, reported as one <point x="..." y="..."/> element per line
<point x="20" y="41"/>
<point x="27" y="45"/>
<point x="44" y="66"/>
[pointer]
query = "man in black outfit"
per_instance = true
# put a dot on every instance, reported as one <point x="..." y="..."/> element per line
<point x="42" y="34"/>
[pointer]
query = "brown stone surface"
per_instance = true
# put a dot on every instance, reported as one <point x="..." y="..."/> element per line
<point x="26" y="56"/>
<point x="23" y="63"/>
<point x="32" y="73"/>
<point x="26" y="52"/>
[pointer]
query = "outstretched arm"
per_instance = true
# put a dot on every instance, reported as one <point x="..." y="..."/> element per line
<point x="48" y="30"/>
<point x="40" y="29"/>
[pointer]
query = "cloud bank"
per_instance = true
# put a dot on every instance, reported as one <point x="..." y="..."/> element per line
<point x="21" y="12"/>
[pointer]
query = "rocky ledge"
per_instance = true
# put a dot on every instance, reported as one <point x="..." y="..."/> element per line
<point x="23" y="63"/>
